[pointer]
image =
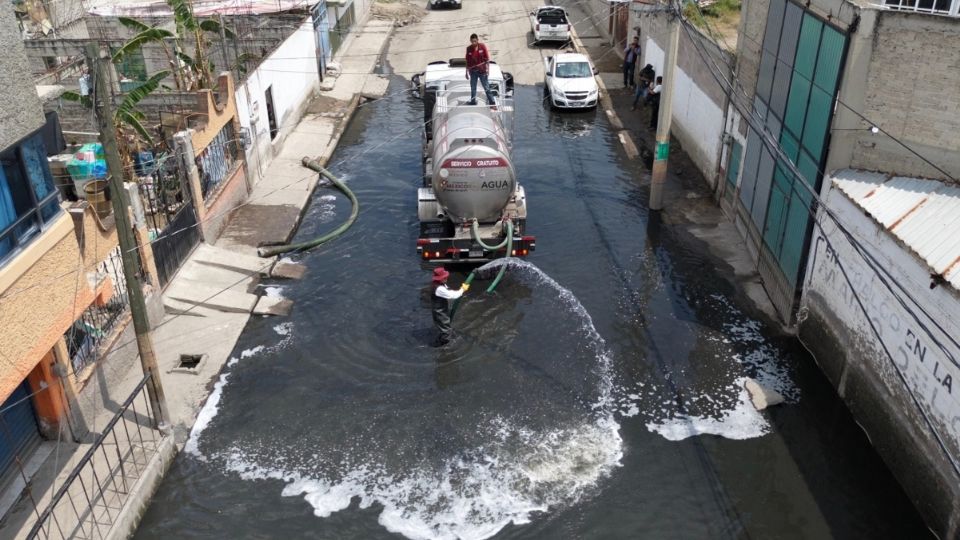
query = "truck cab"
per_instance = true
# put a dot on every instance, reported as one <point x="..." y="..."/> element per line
<point x="570" y="81"/>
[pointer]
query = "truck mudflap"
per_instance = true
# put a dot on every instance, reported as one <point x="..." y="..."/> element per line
<point x="451" y="250"/>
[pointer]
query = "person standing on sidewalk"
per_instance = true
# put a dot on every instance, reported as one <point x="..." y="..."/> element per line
<point x="630" y="55"/>
<point x="478" y="60"/>
<point x="654" y="99"/>
<point x="441" y="297"/>
<point x="645" y="83"/>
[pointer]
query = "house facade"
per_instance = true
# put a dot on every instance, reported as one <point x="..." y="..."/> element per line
<point x="842" y="149"/>
<point x="53" y="282"/>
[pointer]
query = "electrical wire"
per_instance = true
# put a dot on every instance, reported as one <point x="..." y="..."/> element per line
<point x="9" y="293"/>
<point x="858" y="243"/>
<point x="775" y="147"/>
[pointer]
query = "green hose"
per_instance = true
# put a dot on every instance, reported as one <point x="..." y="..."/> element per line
<point x="475" y="229"/>
<point x="456" y="303"/>
<point x="313" y="165"/>
<point x="503" y="268"/>
<point x="508" y="242"/>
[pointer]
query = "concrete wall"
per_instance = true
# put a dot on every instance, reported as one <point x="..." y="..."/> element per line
<point x="219" y="110"/>
<point x="839" y="335"/>
<point x="291" y="72"/>
<point x="21" y="112"/>
<point x="598" y="13"/>
<point x="909" y="90"/>
<point x="753" y="23"/>
<point x="699" y="100"/>
<point x="41" y="302"/>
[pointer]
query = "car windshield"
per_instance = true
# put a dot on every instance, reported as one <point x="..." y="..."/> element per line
<point x="573" y="70"/>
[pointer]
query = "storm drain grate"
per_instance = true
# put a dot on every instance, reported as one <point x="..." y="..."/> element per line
<point x="189" y="361"/>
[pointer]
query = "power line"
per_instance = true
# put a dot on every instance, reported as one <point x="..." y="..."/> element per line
<point x="775" y="147"/>
<point x="10" y="293"/>
<point x="846" y="230"/>
<point x="856" y="112"/>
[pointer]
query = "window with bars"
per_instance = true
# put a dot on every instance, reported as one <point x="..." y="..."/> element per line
<point x="96" y="324"/>
<point x="216" y="161"/>
<point x="939" y="7"/>
<point x="28" y="199"/>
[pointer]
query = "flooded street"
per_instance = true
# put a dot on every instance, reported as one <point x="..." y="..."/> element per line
<point x="597" y="394"/>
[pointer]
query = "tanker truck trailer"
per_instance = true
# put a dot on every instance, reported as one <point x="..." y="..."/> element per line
<point x="470" y="200"/>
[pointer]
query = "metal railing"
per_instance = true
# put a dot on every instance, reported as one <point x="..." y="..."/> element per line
<point x="163" y="193"/>
<point x="97" y="323"/>
<point x="94" y="493"/>
<point x="934" y="7"/>
<point x="216" y="161"/>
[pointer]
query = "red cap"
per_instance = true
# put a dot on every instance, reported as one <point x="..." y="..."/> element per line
<point x="440" y="274"/>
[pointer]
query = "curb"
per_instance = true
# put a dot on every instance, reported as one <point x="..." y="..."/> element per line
<point x="141" y="494"/>
<point x="623" y="135"/>
<point x="324" y="158"/>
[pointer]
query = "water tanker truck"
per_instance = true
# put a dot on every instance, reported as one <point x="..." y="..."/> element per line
<point x="470" y="205"/>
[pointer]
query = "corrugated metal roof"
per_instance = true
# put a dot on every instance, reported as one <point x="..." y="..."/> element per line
<point x="923" y="214"/>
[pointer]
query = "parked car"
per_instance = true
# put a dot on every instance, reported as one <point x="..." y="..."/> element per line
<point x="569" y="80"/>
<point x="549" y="23"/>
<point x="455" y="4"/>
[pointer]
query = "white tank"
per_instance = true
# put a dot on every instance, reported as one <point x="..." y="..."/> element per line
<point x="473" y="176"/>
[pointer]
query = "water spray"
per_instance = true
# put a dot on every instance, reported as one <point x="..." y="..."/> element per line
<point x="507" y="242"/>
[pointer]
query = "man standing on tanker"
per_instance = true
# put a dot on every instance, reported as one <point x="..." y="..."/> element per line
<point x="440" y="303"/>
<point x="478" y="60"/>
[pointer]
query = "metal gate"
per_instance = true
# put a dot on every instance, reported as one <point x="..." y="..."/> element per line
<point x="321" y="30"/>
<point x="172" y="218"/>
<point x="18" y="427"/>
<point x="620" y="20"/>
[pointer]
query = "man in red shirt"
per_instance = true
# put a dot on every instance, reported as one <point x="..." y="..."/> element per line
<point x="478" y="58"/>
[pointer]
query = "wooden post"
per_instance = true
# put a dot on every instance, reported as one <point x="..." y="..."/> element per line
<point x="128" y="245"/>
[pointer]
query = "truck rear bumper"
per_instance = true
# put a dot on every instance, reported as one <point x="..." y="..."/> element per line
<point x="462" y="250"/>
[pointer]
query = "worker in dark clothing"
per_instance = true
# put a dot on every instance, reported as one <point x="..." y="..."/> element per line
<point x="644" y="83"/>
<point x="653" y="98"/>
<point x="478" y="67"/>
<point x="442" y="295"/>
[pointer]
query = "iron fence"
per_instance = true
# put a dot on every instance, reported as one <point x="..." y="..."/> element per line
<point x="97" y="323"/>
<point x="216" y="161"/>
<point x="163" y="193"/>
<point x="91" y="498"/>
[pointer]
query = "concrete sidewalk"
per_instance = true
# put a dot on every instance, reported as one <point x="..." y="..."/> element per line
<point x="213" y="294"/>
<point x="689" y="199"/>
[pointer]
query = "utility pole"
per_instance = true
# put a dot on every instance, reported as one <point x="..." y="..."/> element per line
<point x="659" y="174"/>
<point x="223" y="47"/>
<point x="103" y="108"/>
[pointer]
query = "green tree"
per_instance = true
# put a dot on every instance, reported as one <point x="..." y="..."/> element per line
<point x="126" y="114"/>
<point x="190" y="72"/>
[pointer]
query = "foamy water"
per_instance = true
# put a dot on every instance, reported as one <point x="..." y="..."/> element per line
<point x="518" y="471"/>
<point x="741" y="422"/>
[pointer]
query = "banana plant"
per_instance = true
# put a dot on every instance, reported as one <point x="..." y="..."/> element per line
<point x="126" y="113"/>
<point x="189" y="72"/>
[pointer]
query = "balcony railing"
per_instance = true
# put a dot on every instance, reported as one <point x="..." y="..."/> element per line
<point x="936" y="7"/>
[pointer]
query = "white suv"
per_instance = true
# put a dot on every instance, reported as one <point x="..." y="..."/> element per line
<point x="570" y="81"/>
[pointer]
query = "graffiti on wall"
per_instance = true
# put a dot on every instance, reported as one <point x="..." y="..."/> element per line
<point x="899" y="335"/>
